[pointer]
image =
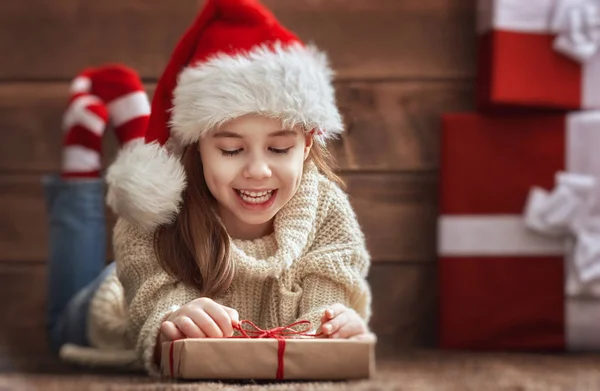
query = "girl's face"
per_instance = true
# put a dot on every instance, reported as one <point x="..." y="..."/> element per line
<point x="253" y="167"/>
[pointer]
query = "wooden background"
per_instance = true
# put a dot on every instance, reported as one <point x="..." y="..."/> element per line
<point x="399" y="63"/>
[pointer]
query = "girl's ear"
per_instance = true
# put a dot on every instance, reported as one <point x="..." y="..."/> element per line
<point x="308" y="143"/>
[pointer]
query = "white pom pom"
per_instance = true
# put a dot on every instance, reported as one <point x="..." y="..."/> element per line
<point x="145" y="185"/>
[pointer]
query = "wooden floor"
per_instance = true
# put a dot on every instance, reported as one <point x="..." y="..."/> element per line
<point x="414" y="371"/>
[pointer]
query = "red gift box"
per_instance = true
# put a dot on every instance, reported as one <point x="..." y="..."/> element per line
<point x="538" y="53"/>
<point x="504" y="284"/>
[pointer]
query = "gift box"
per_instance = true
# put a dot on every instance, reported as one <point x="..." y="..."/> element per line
<point x="268" y="356"/>
<point x="538" y="53"/>
<point x="518" y="241"/>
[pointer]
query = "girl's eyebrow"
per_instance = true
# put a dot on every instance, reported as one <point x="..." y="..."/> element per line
<point x="226" y="134"/>
<point x="276" y="133"/>
<point x="286" y="132"/>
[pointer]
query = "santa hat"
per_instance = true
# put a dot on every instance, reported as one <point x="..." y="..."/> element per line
<point x="235" y="59"/>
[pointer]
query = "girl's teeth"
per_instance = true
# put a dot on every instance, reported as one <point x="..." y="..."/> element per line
<point x="253" y="194"/>
<point x="255" y="198"/>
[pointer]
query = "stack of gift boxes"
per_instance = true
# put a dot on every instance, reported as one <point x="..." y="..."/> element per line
<point x="519" y="230"/>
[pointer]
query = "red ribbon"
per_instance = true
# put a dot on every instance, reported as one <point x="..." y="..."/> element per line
<point x="278" y="333"/>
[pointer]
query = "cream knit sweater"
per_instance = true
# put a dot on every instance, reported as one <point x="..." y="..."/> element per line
<point x="315" y="257"/>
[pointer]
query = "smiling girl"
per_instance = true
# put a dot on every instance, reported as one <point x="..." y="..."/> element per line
<point x="230" y="209"/>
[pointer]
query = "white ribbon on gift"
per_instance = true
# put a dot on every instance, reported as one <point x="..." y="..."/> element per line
<point x="566" y="212"/>
<point x="561" y="214"/>
<point x="576" y="24"/>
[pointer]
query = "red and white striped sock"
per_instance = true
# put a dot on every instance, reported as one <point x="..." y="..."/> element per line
<point x="128" y="105"/>
<point x="84" y="123"/>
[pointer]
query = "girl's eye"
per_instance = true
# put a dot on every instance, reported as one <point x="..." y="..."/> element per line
<point x="275" y="150"/>
<point x="225" y="152"/>
<point x="230" y="153"/>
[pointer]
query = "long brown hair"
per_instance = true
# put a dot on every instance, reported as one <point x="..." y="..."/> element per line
<point x="195" y="247"/>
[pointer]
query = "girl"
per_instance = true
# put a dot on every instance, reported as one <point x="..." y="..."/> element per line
<point x="230" y="209"/>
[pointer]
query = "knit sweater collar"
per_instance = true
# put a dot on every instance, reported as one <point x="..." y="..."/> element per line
<point x="270" y="255"/>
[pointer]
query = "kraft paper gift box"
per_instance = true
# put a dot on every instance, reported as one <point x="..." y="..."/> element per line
<point x="538" y="53"/>
<point x="268" y="359"/>
<point x="518" y="243"/>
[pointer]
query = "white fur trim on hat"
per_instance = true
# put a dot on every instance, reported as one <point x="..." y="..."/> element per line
<point x="145" y="185"/>
<point x="291" y="83"/>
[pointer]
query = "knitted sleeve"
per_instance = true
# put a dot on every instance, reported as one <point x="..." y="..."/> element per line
<point x="335" y="268"/>
<point x="150" y="293"/>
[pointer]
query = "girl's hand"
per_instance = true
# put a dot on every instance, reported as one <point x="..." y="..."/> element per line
<point x="338" y="321"/>
<point x="200" y="318"/>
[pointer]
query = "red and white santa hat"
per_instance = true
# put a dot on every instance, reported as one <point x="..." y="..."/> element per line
<point x="234" y="60"/>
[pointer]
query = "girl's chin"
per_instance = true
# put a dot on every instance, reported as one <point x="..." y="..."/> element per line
<point x="264" y="218"/>
<point x="251" y="228"/>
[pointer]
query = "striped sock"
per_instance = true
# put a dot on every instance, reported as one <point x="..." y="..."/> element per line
<point x="128" y="105"/>
<point x="84" y="123"/>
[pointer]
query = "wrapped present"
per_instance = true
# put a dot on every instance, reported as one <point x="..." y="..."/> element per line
<point x="518" y="240"/>
<point x="268" y="355"/>
<point x="538" y="53"/>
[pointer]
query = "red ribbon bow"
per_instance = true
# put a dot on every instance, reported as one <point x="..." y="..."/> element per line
<point x="278" y="333"/>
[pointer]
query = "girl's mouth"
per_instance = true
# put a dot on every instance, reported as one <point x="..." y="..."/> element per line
<point x="256" y="200"/>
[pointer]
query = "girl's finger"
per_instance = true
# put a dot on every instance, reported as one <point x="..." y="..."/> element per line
<point x="332" y="326"/>
<point x="188" y="327"/>
<point x="170" y="331"/>
<point x="365" y="337"/>
<point x="233" y="314"/>
<point x="350" y="329"/>
<point x="334" y="310"/>
<point x="324" y="318"/>
<point x="221" y="317"/>
<point x="206" y="323"/>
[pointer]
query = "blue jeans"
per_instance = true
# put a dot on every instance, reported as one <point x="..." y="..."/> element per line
<point x="77" y="264"/>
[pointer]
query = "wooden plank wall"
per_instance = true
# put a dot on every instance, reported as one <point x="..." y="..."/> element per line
<point x="399" y="63"/>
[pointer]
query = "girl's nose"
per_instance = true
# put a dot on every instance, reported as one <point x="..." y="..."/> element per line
<point x="257" y="168"/>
